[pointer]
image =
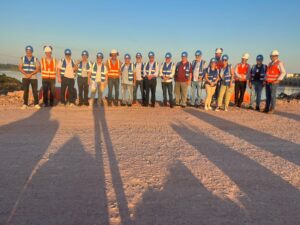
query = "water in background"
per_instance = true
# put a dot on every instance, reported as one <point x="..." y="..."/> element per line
<point x="159" y="95"/>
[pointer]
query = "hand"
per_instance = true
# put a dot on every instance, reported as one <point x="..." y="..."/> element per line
<point x="276" y="82"/>
<point x="89" y="82"/>
<point x="59" y="80"/>
<point x="149" y="77"/>
<point x="264" y="83"/>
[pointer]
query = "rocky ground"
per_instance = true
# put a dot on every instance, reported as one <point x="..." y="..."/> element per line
<point x="148" y="166"/>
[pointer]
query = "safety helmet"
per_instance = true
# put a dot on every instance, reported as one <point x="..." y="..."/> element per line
<point x="260" y="58"/>
<point x="219" y="51"/>
<point x="68" y="52"/>
<point x="184" y="54"/>
<point x="47" y="48"/>
<point x="100" y="55"/>
<point x="213" y="60"/>
<point x="275" y="53"/>
<point x="151" y="54"/>
<point x="225" y="57"/>
<point x="198" y="53"/>
<point x="168" y="55"/>
<point x="29" y="48"/>
<point x="246" y="56"/>
<point x="127" y="56"/>
<point x="138" y="55"/>
<point x="85" y="52"/>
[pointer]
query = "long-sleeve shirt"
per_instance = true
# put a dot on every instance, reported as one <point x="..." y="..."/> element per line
<point x="168" y="76"/>
<point x="150" y="68"/>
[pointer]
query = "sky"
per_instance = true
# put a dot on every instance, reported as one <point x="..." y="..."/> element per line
<point x="130" y="26"/>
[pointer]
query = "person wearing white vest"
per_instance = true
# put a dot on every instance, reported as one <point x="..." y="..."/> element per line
<point x="98" y="79"/>
<point x="83" y="78"/>
<point x="139" y="72"/>
<point x="167" y="72"/>
<point x="198" y="66"/>
<point x="128" y="79"/>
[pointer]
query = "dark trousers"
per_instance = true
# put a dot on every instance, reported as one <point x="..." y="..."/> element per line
<point x="239" y="92"/>
<point x="113" y="83"/>
<point x="48" y="86"/>
<point x="271" y="94"/>
<point x="83" y="89"/>
<point x="167" y="87"/>
<point x="150" y="86"/>
<point x="26" y="83"/>
<point x="67" y="83"/>
<point x="218" y="87"/>
<point x="138" y="83"/>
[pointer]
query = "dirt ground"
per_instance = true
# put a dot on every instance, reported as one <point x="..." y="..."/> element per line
<point x="145" y="166"/>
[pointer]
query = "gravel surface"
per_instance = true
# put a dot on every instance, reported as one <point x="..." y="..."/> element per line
<point x="161" y="166"/>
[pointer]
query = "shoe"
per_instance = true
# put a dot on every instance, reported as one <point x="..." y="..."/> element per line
<point x="210" y="108"/>
<point x="183" y="106"/>
<point x="109" y="104"/>
<point x="129" y="105"/>
<point x="171" y="106"/>
<point x="86" y="104"/>
<point x="37" y="106"/>
<point x="123" y="104"/>
<point x="45" y="105"/>
<point x="257" y="108"/>
<point x="153" y="105"/>
<point x="80" y="104"/>
<point x="116" y="103"/>
<point x="71" y="104"/>
<point x="226" y="110"/>
<point x="271" y="111"/>
<point x="217" y="109"/>
<point x="251" y="107"/>
<point x="165" y="104"/>
<point x="266" y="111"/>
<point x="24" y="106"/>
<point x="205" y="108"/>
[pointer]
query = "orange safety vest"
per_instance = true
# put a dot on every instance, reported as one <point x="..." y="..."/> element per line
<point x="243" y="71"/>
<point x="113" y="70"/>
<point x="273" y="72"/>
<point x="48" y="69"/>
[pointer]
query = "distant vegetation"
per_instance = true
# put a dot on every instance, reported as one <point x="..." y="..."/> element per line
<point x="10" y="67"/>
<point x="9" y="84"/>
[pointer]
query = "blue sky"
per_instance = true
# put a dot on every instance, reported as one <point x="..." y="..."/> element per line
<point x="238" y="26"/>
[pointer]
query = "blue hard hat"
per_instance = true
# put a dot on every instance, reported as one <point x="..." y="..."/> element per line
<point x="213" y="60"/>
<point x="127" y="56"/>
<point x="29" y="47"/>
<point x="198" y="53"/>
<point x="225" y="58"/>
<point x="68" y="52"/>
<point x="150" y="54"/>
<point x="100" y="55"/>
<point x="85" y="52"/>
<point x="138" y="54"/>
<point x="184" y="54"/>
<point x="168" y="55"/>
<point x="260" y="58"/>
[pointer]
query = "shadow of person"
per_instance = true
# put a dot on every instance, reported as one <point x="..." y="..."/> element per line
<point x="268" y="199"/>
<point x="68" y="189"/>
<point x="291" y="116"/>
<point x="23" y="144"/>
<point x="278" y="146"/>
<point x="184" y="200"/>
<point x="101" y="127"/>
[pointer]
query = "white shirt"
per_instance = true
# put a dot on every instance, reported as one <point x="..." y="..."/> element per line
<point x="172" y="72"/>
<point x="150" y="68"/>
<point x="69" y="73"/>
<point x="138" y="71"/>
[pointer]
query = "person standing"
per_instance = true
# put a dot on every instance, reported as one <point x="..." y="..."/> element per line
<point x="227" y="83"/>
<point x="275" y="73"/>
<point x="183" y="75"/>
<point x="48" y="71"/>
<point x="257" y="77"/>
<point x="198" y="68"/>
<point x="167" y="72"/>
<point x="218" y="57"/>
<point x="242" y="73"/>
<point x="29" y="66"/>
<point x="211" y="80"/>
<point x="151" y="71"/>
<point x="114" y="70"/>
<point x="98" y="79"/>
<point x="139" y="83"/>
<point x="83" y="78"/>
<point x="66" y="70"/>
<point x="127" y="80"/>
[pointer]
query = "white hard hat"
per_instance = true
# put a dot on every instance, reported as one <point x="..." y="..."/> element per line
<point x="246" y="56"/>
<point x="113" y="51"/>
<point x="47" y="49"/>
<point x="275" y="52"/>
<point x="219" y="51"/>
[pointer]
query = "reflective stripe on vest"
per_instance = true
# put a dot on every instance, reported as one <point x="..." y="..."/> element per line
<point x="273" y="72"/>
<point x="48" y="69"/>
<point x="225" y="74"/>
<point x="242" y="71"/>
<point x="212" y="75"/>
<point x="261" y="70"/>
<point x="130" y="71"/>
<point x="167" y="69"/>
<point x="64" y="66"/>
<point x="94" y="72"/>
<point x="202" y="62"/>
<point x="113" y="69"/>
<point x="153" y="69"/>
<point x="29" y="66"/>
<point x="87" y="67"/>
<point x="187" y="69"/>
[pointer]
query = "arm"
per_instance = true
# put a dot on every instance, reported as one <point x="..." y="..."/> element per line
<point x="232" y="76"/>
<point x="156" y="70"/>
<point x="161" y="70"/>
<point x="282" y="70"/>
<point x="236" y="74"/>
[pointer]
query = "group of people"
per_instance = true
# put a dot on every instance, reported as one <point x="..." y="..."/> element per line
<point x="219" y="78"/>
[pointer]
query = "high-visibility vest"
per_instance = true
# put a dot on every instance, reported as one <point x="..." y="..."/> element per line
<point x="94" y="72"/>
<point x="64" y="66"/>
<point x="242" y="70"/>
<point x="212" y="75"/>
<point x="29" y="65"/>
<point x="187" y="69"/>
<point x="48" y="69"/>
<point x="273" y="72"/>
<point x="142" y="68"/>
<point x="130" y="71"/>
<point x="87" y="67"/>
<point x="167" y="69"/>
<point x="113" y="70"/>
<point x="220" y="64"/>
<point x="225" y="75"/>
<point x="261" y="70"/>
<point x="202" y="62"/>
<point x="153" y="69"/>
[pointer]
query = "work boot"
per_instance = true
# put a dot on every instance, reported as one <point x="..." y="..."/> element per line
<point x="266" y="110"/>
<point x="257" y="108"/>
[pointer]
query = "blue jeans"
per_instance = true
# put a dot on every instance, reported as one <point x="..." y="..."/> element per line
<point x="271" y="93"/>
<point x="113" y="82"/>
<point x="196" y="92"/>
<point x="256" y="90"/>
